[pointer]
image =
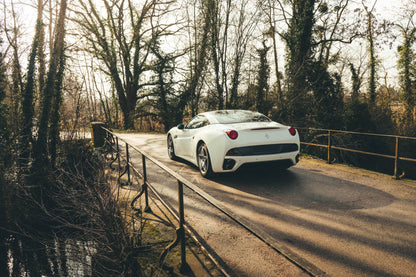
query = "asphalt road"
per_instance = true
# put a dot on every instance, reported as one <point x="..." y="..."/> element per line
<point x="342" y="220"/>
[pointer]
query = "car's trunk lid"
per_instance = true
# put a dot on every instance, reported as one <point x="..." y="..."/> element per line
<point x="261" y="132"/>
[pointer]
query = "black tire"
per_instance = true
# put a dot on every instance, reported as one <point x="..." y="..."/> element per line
<point x="171" y="149"/>
<point x="204" y="161"/>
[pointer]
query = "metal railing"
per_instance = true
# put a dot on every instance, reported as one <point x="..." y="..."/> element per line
<point x="113" y="140"/>
<point x="329" y="134"/>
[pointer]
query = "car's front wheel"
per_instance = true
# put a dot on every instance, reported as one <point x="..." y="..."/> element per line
<point x="171" y="149"/>
<point x="204" y="161"/>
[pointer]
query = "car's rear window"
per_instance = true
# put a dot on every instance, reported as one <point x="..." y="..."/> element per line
<point x="228" y="117"/>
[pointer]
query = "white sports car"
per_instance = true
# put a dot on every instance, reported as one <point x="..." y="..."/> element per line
<point x="224" y="140"/>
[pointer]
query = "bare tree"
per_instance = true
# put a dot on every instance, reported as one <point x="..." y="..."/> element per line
<point x="13" y="36"/>
<point x="231" y="27"/>
<point x="246" y="23"/>
<point x="119" y="34"/>
<point x="334" y="26"/>
<point x="270" y="9"/>
<point x="198" y="32"/>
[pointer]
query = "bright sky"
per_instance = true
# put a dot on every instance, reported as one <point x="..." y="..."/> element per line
<point x="388" y="9"/>
<point x="391" y="10"/>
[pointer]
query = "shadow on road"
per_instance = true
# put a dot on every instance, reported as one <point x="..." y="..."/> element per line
<point x="305" y="189"/>
<point x="306" y="201"/>
<point x="344" y="227"/>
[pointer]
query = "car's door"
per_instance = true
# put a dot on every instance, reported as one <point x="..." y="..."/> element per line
<point x="184" y="140"/>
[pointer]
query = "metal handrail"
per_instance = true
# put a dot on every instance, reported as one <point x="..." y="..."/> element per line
<point x="397" y="158"/>
<point x="180" y="231"/>
<point x="357" y="133"/>
<point x="263" y="236"/>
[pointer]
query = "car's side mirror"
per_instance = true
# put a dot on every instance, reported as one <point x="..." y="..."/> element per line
<point x="181" y="126"/>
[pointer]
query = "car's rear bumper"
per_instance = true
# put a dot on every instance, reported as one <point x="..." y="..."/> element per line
<point x="232" y="163"/>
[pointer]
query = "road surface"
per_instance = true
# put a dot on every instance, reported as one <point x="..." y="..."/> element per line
<point x="342" y="220"/>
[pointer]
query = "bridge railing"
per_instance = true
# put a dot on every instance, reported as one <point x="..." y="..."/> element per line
<point x="362" y="144"/>
<point x="122" y="158"/>
<point x="113" y="142"/>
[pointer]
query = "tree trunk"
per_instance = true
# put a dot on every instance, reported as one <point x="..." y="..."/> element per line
<point x="298" y="39"/>
<point x="29" y="91"/>
<point x="40" y="151"/>
<point x="55" y="114"/>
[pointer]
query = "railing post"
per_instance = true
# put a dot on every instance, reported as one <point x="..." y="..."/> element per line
<point x="180" y="235"/>
<point x="118" y="159"/>
<point x="98" y="133"/>
<point x="329" y="146"/>
<point x="184" y="267"/>
<point x="144" y="187"/>
<point x="396" y="159"/>
<point x="128" y="164"/>
<point x="119" y="172"/>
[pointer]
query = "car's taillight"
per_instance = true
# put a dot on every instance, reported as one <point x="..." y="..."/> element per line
<point x="232" y="134"/>
<point x="292" y="131"/>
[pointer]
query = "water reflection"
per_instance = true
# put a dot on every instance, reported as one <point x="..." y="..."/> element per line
<point x="57" y="257"/>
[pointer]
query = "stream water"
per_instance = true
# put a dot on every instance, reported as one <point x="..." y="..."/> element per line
<point x="57" y="257"/>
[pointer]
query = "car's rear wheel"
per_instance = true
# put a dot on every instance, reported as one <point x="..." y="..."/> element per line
<point x="204" y="162"/>
<point x="171" y="149"/>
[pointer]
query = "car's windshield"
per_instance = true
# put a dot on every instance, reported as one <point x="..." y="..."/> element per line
<point x="227" y="117"/>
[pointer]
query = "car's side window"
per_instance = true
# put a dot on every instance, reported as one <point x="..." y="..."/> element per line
<point x="197" y="122"/>
<point x="204" y="123"/>
<point x="192" y="122"/>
